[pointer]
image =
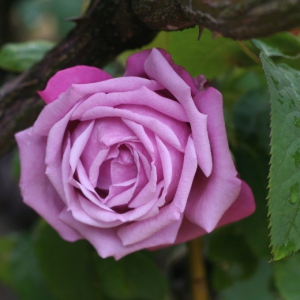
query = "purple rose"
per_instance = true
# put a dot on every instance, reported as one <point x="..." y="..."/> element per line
<point x="140" y="161"/>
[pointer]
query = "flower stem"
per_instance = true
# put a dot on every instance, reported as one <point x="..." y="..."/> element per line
<point x="197" y="271"/>
<point x="249" y="53"/>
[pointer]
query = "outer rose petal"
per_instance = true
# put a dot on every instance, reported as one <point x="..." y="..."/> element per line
<point x="107" y="243"/>
<point x="62" y="80"/>
<point x="36" y="188"/>
<point x="243" y="206"/>
<point x="214" y="195"/>
<point x="78" y="93"/>
<point x="135" y="67"/>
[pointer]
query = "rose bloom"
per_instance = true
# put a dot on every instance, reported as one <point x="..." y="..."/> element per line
<point x="140" y="161"/>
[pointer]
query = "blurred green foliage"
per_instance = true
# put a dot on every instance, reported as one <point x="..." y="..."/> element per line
<point x="39" y="265"/>
<point x="19" y="57"/>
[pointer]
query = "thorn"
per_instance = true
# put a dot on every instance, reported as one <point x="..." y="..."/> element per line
<point x="28" y="83"/>
<point x="76" y="20"/>
<point x="201" y="28"/>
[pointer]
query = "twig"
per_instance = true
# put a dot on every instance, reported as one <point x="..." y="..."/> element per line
<point x="197" y="271"/>
<point x="249" y="53"/>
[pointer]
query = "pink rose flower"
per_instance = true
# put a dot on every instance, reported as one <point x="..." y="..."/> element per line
<point x="128" y="163"/>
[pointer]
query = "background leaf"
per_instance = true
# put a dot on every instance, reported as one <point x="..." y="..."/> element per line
<point x="26" y="277"/>
<point x="66" y="267"/>
<point x="281" y="44"/>
<point x="135" y="276"/>
<point x="209" y="56"/>
<point x="19" y="57"/>
<point x="287" y="274"/>
<point x="232" y="257"/>
<point x="256" y="287"/>
<point x="7" y="244"/>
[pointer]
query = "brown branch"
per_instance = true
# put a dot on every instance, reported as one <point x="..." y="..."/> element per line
<point x="112" y="26"/>
<point x="107" y="29"/>
<point x="244" y="19"/>
<point x="237" y="19"/>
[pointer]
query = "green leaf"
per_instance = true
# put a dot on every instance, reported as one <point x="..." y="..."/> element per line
<point x="19" y="57"/>
<point x="281" y="44"/>
<point x="161" y="41"/>
<point x="232" y="257"/>
<point x="135" y="276"/>
<point x="26" y="277"/>
<point x="251" y="117"/>
<point x="287" y="274"/>
<point x="284" y="200"/>
<point x="207" y="56"/>
<point x="253" y="166"/>
<point x="66" y="267"/>
<point x="256" y="287"/>
<point x="7" y="244"/>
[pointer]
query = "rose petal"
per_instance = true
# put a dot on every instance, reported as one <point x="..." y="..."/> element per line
<point x="212" y="196"/>
<point x="36" y="188"/>
<point x="141" y="96"/>
<point x="147" y="191"/>
<point x="135" y="64"/>
<point x="158" y="68"/>
<point x="95" y="166"/>
<point x="160" y="128"/>
<point x="112" y="131"/>
<point x="180" y="129"/>
<point x="138" y="231"/>
<point x="242" y="207"/>
<point x="63" y="79"/>
<point x="56" y="110"/>
<point x="123" y="167"/>
<point x="135" y="67"/>
<point x="54" y="154"/>
<point x="114" y="85"/>
<point x="172" y="162"/>
<point x="79" y="140"/>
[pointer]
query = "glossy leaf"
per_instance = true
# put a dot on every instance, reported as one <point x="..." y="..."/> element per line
<point x="135" y="276"/>
<point x="19" y="57"/>
<point x="284" y="199"/>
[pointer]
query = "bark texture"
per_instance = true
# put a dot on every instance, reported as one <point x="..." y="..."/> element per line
<point x="112" y="26"/>
<point x="237" y="19"/>
<point x="106" y="29"/>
